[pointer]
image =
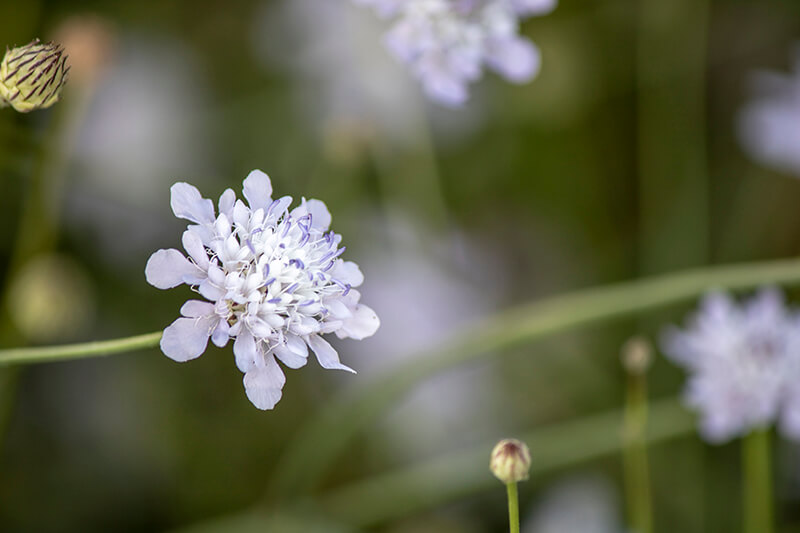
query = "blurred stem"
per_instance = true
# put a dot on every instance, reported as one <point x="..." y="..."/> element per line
<point x="513" y="507"/>
<point x="328" y="431"/>
<point x="635" y="462"/>
<point x="757" y="482"/>
<point x="673" y="174"/>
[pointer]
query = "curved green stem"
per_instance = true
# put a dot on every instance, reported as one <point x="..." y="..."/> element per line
<point x="316" y="446"/>
<point x="78" y="351"/>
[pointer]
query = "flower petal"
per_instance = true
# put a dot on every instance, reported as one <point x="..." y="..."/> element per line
<point x="533" y="7"/>
<point x="185" y="339"/>
<point x="187" y="203"/>
<point x="168" y="268"/>
<point x="288" y="357"/>
<point x="258" y="190"/>
<point x="193" y="245"/>
<point x="516" y="59"/>
<point x="226" y="202"/>
<point x="326" y="355"/>
<point x="364" y="323"/>
<point x="263" y="384"/>
<point x="320" y="216"/>
<point x="198" y="309"/>
<point x="348" y="272"/>
<point x="245" y="350"/>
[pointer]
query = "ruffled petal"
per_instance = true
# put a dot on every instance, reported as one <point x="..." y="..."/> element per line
<point x="528" y="8"/>
<point x="326" y="355"/>
<point x="288" y="357"/>
<point x="169" y="268"/>
<point x="193" y="245"/>
<point x="187" y="203"/>
<point x="258" y="190"/>
<point x="263" y="384"/>
<point x="364" y="323"/>
<point x="185" y="339"/>
<point x="348" y="272"/>
<point x="517" y="60"/>
<point x="198" y="309"/>
<point x="320" y="216"/>
<point x="245" y="350"/>
<point x="226" y="202"/>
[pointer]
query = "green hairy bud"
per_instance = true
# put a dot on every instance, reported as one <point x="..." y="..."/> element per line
<point x="31" y="76"/>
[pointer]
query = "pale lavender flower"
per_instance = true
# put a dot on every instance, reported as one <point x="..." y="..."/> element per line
<point x="744" y="364"/>
<point x="448" y="42"/>
<point x="274" y="281"/>
<point x="769" y="125"/>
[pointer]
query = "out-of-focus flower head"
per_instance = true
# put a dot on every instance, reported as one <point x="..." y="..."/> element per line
<point x="447" y="43"/>
<point x="744" y="364"/>
<point x="769" y="125"/>
<point x="274" y="281"/>
<point x="32" y="76"/>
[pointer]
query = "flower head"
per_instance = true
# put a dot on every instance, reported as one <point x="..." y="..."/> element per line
<point x="510" y="461"/>
<point x="31" y="76"/>
<point x="769" y="125"/>
<point x="447" y="42"/>
<point x="273" y="278"/>
<point x="744" y="363"/>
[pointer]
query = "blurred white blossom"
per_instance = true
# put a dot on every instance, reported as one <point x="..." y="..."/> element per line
<point x="769" y="125"/>
<point x="447" y="43"/>
<point x="744" y="364"/>
<point x="274" y="280"/>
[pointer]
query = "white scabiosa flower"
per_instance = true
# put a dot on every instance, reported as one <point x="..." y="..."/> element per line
<point x="447" y="42"/>
<point x="273" y="278"/>
<point x="744" y="363"/>
<point x="769" y="124"/>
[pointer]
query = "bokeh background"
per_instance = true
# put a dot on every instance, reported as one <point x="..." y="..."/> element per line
<point x="631" y="154"/>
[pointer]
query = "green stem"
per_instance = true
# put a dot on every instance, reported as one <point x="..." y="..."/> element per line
<point x="637" y="473"/>
<point x="329" y="430"/>
<point x="757" y="483"/>
<point x="78" y="351"/>
<point x="513" y="508"/>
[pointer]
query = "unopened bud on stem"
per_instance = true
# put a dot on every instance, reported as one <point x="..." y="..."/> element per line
<point x="510" y="461"/>
<point x="31" y="76"/>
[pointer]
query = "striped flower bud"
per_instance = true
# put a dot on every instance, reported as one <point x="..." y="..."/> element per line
<point x="31" y="76"/>
<point x="510" y="461"/>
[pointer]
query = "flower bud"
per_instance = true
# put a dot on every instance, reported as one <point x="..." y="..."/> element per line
<point x="510" y="461"/>
<point x="637" y="355"/>
<point x="31" y="76"/>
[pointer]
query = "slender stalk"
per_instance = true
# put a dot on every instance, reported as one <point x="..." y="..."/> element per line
<point x="513" y="507"/>
<point x="78" y="351"/>
<point x="327" y="433"/>
<point x="634" y="453"/>
<point x="757" y="483"/>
